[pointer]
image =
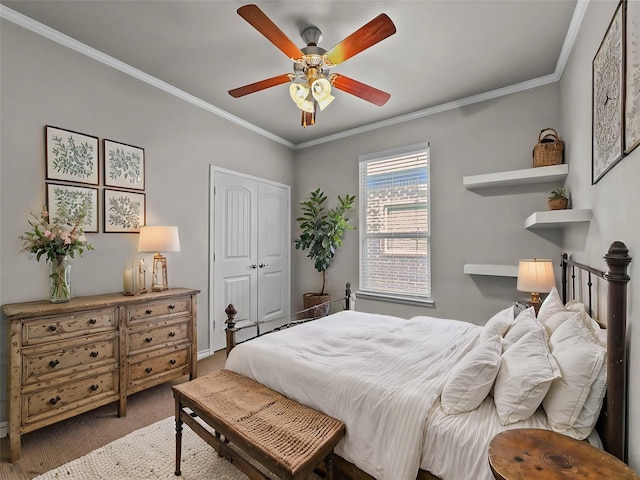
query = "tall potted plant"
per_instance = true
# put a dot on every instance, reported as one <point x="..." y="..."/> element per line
<point x="322" y="231"/>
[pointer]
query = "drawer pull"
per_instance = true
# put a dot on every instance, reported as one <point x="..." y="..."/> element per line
<point x="53" y="328"/>
<point x="172" y="306"/>
<point x="53" y="401"/>
<point x="172" y="334"/>
<point x="148" y="311"/>
<point x="148" y="339"/>
<point x="172" y="361"/>
<point x="94" y="354"/>
<point x="94" y="387"/>
<point x="148" y="369"/>
<point x="54" y="363"/>
<point x="93" y="321"/>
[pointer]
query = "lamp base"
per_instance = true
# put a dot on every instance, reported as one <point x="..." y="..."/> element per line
<point x="535" y="302"/>
<point x="159" y="283"/>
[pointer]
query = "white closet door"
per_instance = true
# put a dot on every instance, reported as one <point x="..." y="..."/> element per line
<point x="251" y="254"/>
<point x="273" y="255"/>
<point x="236" y="251"/>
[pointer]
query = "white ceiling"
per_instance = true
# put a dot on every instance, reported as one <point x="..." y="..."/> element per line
<point x="443" y="51"/>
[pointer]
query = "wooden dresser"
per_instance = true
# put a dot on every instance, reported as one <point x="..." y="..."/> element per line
<point x="68" y="358"/>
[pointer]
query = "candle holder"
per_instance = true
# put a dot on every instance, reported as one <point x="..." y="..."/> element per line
<point x="130" y="280"/>
<point x="142" y="277"/>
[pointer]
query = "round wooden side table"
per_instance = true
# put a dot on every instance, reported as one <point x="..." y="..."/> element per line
<point x="531" y="453"/>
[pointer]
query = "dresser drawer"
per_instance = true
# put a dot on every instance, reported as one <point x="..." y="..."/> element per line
<point x="146" y="367"/>
<point x="157" y="335"/>
<point x="58" y="327"/>
<point x="65" y="357"/>
<point x="158" y="308"/>
<point x="54" y="400"/>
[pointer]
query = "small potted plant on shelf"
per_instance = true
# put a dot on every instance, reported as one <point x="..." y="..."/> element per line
<point x="558" y="199"/>
<point x="322" y="233"/>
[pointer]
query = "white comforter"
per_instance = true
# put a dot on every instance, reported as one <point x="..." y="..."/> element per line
<point x="380" y="375"/>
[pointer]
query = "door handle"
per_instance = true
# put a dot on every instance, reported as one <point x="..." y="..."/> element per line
<point x="262" y="265"/>
<point x="253" y="266"/>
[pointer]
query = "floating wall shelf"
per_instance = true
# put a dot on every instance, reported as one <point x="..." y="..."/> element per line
<point x="492" y="270"/>
<point x="557" y="218"/>
<point x="551" y="173"/>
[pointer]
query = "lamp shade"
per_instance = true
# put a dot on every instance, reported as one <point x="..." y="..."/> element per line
<point x="159" y="239"/>
<point x="535" y="275"/>
<point x="321" y="91"/>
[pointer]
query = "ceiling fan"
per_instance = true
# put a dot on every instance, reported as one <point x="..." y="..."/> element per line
<point x="311" y="82"/>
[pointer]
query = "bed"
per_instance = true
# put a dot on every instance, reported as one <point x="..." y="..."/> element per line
<point x="422" y="398"/>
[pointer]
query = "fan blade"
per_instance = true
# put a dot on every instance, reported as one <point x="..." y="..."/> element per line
<point x="262" y="23"/>
<point x="376" y="30"/>
<point x="261" y="85"/>
<point x="365" y="92"/>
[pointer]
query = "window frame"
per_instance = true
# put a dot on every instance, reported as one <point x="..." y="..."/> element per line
<point x="394" y="297"/>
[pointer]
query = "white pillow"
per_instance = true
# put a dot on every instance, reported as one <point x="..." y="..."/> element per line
<point x="524" y="323"/>
<point x="471" y="380"/>
<point x="588" y="417"/>
<point x="552" y="304"/>
<point x="559" y="318"/>
<point x="524" y="377"/>
<point x="580" y="360"/>
<point x="498" y="324"/>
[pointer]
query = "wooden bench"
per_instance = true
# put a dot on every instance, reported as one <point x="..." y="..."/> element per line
<point x="251" y="420"/>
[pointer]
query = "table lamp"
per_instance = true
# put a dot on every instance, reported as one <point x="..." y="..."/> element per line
<point x="535" y="276"/>
<point x="159" y="239"/>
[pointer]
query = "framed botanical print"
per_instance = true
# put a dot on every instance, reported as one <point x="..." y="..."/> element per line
<point x="66" y="202"/>
<point x="123" y="165"/>
<point x="632" y="76"/>
<point x="71" y="156"/>
<point x="124" y="212"/>
<point x="607" y="99"/>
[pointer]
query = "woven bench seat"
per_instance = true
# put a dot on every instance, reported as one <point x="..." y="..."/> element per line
<point x="251" y="420"/>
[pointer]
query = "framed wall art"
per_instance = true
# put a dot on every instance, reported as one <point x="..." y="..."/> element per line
<point x="71" y="156"/>
<point x="607" y="101"/>
<point x="65" y="202"/>
<point x="632" y="77"/>
<point x="124" y="212"/>
<point x="123" y="165"/>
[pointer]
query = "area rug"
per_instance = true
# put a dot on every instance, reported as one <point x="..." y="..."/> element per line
<point x="149" y="453"/>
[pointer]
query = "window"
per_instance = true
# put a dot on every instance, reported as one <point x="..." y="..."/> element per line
<point x="395" y="260"/>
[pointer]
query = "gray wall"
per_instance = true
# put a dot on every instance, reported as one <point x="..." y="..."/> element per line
<point x="613" y="199"/>
<point x="467" y="226"/>
<point x="45" y="83"/>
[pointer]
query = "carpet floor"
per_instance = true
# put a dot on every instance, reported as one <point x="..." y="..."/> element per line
<point x="57" y="444"/>
<point x="148" y="453"/>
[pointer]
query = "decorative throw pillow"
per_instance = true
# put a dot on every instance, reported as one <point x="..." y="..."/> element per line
<point x="524" y="377"/>
<point x="472" y="378"/>
<point x="523" y="324"/>
<point x="588" y="417"/>
<point x="497" y="325"/>
<point x="559" y="318"/>
<point x="580" y="360"/>
<point x="552" y="304"/>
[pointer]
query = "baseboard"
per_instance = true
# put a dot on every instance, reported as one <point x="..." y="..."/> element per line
<point x="4" y="429"/>
<point x="204" y="354"/>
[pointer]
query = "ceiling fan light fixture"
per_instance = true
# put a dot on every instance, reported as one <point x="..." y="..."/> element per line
<point x="300" y="95"/>
<point x="321" y="91"/>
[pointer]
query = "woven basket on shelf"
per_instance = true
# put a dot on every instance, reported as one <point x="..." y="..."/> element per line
<point x="549" y="150"/>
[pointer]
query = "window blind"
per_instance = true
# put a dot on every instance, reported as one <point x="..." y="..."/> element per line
<point x="395" y="227"/>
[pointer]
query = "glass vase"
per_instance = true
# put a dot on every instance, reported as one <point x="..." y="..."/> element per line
<point x="60" y="280"/>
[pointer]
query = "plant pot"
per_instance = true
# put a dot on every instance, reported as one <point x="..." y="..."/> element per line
<point x="315" y="300"/>
<point x="558" y="203"/>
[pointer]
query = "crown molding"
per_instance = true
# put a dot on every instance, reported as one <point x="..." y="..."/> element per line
<point x="65" y="40"/>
